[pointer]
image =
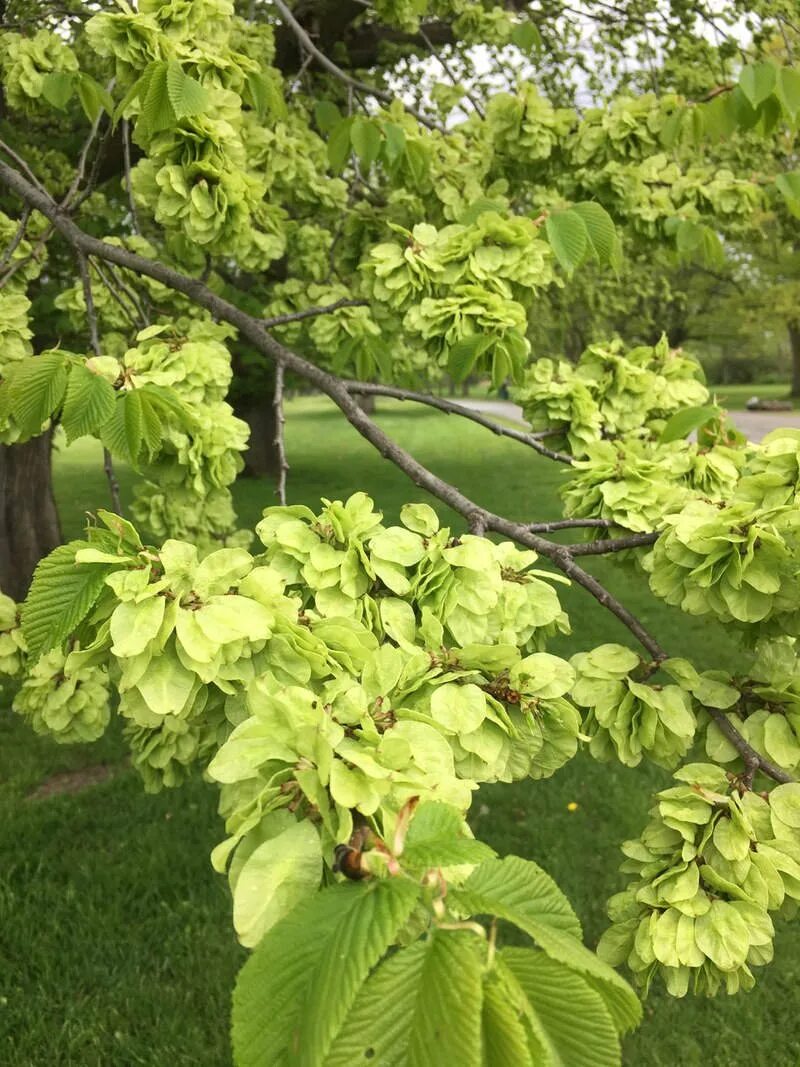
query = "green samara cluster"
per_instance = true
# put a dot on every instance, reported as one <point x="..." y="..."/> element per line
<point x="345" y="670"/>
<point x="713" y="865"/>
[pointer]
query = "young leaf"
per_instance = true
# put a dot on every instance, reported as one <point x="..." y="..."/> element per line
<point x="789" y="89"/>
<point x="464" y="354"/>
<point x="525" y="35"/>
<point x="186" y="95"/>
<point x="568" y="237"/>
<point x="394" y="141"/>
<point x="788" y="185"/>
<point x="88" y="404"/>
<point x="61" y="595"/>
<point x="156" y="108"/>
<point x="36" y="390"/>
<point x="685" y="421"/>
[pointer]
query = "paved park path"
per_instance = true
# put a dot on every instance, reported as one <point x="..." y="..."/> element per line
<point x="754" y="424"/>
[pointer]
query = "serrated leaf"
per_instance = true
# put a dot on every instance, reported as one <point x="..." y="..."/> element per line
<point x="365" y="138"/>
<point x="379" y="1024"/>
<point x="464" y="354"/>
<point x="355" y="945"/>
<point x="568" y="237"/>
<point x="685" y="421"/>
<point x="671" y="130"/>
<point x="58" y="87"/>
<point x="301" y="982"/>
<point x="339" y="145"/>
<point x="599" y="227"/>
<point x="264" y="97"/>
<point x="520" y="892"/>
<point x="156" y="109"/>
<point x="88" y="404"/>
<point x="566" y="1014"/>
<point x="436" y="838"/>
<point x="186" y="95"/>
<point x="61" y="595"/>
<point x="506" y="1037"/>
<point x="757" y="80"/>
<point x="37" y="389"/>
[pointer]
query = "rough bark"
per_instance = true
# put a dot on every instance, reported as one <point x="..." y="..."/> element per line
<point x="367" y="404"/>
<point x="794" y="348"/>
<point x="261" y="459"/>
<point x="29" y="526"/>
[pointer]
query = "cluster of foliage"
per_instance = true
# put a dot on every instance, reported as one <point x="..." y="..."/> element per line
<point x="349" y="685"/>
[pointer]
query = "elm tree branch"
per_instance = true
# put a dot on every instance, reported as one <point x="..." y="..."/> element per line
<point x="451" y="407"/>
<point x="309" y="313"/>
<point x="327" y="64"/>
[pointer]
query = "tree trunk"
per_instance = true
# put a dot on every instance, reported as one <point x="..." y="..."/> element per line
<point x="261" y="458"/>
<point x="29" y="526"/>
<point x="366" y="401"/>
<point x="794" y="348"/>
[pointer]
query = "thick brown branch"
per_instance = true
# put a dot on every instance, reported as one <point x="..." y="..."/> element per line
<point x="753" y="760"/>
<point x="452" y="407"/>
<point x="613" y="544"/>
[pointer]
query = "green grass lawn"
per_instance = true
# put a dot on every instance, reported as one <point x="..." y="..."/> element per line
<point x="115" y="937"/>
<point x="735" y="397"/>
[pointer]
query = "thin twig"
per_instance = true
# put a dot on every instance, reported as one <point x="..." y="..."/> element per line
<point x="330" y="66"/>
<point x="279" y="441"/>
<point x="94" y="339"/>
<point x="445" y="67"/>
<point x="308" y="313"/>
<point x="753" y="760"/>
<point x="567" y="524"/>
<point x="16" y="240"/>
<point x="126" y="157"/>
<point x="452" y="407"/>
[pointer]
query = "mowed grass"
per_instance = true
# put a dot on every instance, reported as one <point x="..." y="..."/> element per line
<point x="115" y="936"/>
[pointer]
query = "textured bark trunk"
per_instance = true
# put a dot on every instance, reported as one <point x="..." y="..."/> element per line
<point x="261" y="458"/>
<point x="794" y="347"/>
<point x="29" y="526"/>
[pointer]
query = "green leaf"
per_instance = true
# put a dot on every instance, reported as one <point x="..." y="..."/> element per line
<point x="525" y="35"/>
<point x="339" y="145"/>
<point x="300" y="984"/>
<point x="437" y="838"/>
<point x="567" y="1016"/>
<point x="186" y="95"/>
<point x="58" y="87"/>
<point x="464" y="354"/>
<point x="671" y="130"/>
<point x="61" y="595"/>
<point x="156" y="109"/>
<point x="568" y="237"/>
<point x="327" y="115"/>
<point x="789" y="89"/>
<point x="757" y="80"/>
<point x="520" y="892"/>
<point x="378" y="1027"/>
<point x="366" y="140"/>
<point x="36" y="390"/>
<point x="685" y="421"/>
<point x="265" y="98"/>
<point x="599" y="227"/>
<point x="273" y="878"/>
<point x="506" y="1038"/>
<point x="394" y="142"/>
<point x="788" y="185"/>
<point x="88" y="404"/>
<point x="688" y="236"/>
